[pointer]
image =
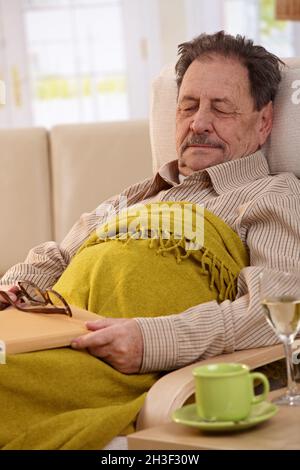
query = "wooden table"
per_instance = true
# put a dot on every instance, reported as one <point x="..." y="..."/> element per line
<point x="282" y="431"/>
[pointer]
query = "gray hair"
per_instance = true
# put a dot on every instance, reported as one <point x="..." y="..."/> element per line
<point x="263" y="67"/>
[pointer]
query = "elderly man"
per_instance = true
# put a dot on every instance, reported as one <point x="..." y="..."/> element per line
<point x="226" y="89"/>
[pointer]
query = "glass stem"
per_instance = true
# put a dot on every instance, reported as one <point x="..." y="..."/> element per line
<point x="291" y="384"/>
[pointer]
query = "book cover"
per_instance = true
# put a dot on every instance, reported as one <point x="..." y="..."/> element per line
<point x="25" y="331"/>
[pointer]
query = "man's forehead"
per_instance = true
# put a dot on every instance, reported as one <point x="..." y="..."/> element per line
<point x="220" y="78"/>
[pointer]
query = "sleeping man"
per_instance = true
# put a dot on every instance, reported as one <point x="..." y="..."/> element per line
<point x="167" y="301"/>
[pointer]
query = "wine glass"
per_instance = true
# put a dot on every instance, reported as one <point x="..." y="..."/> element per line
<point x="280" y="297"/>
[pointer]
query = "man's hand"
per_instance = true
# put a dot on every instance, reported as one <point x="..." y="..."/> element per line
<point x="118" y="341"/>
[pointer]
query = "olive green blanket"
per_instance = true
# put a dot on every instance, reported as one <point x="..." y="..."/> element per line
<point x="138" y="264"/>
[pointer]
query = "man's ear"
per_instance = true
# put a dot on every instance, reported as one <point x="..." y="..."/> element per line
<point x="266" y="122"/>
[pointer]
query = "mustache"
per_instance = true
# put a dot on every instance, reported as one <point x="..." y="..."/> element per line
<point x="201" y="139"/>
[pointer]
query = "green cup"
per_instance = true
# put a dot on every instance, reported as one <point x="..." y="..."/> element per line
<point x="225" y="391"/>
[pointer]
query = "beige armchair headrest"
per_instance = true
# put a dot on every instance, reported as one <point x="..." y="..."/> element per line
<point x="283" y="146"/>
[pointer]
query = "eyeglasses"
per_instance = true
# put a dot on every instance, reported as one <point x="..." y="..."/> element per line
<point x="30" y="298"/>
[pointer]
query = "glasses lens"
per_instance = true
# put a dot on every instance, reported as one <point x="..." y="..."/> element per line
<point x="32" y="292"/>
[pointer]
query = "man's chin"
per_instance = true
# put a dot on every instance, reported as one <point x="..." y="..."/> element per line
<point x="193" y="164"/>
<point x="188" y="164"/>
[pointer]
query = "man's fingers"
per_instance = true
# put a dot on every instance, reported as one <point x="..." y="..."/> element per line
<point x="117" y="341"/>
<point x="13" y="289"/>
<point x="98" y="324"/>
<point x="92" y="340"/>
<point x="9" y="294"/>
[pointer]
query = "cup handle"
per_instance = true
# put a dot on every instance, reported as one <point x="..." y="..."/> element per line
<point x="262" y="378"/>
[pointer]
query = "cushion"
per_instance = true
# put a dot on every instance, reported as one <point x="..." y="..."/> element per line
<point x="90" y="163"/>
<point x="281" y="148"/>
<point x="24" y="193"/>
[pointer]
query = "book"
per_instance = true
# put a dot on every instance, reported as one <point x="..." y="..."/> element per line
<point x="24" y="331"/>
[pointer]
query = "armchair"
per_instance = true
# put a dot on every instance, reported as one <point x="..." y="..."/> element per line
<point x="176" y="388"/>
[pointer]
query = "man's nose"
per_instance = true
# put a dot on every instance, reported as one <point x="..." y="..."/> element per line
<point x="202" y="121"/>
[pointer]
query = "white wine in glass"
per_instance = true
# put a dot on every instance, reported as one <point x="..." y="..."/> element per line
<point x="280" y="298"/>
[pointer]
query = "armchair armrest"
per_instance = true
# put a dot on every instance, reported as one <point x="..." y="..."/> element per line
<point x="174" y="389"/>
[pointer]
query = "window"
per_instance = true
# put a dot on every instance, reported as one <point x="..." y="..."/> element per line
<point x="76" y="60"/>
<point x="255" y="19"/>
<point x="276" y="36"/>
<point x="251" y="18"/>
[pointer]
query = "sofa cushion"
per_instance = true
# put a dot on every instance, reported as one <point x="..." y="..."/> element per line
<point x="24" y="193"/>
<point x="282" y="149"/>
<point x="91" y="162"/>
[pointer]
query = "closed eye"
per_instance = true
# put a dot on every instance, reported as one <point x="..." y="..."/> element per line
<point x="222" y="111"/>
<point x="190" y="108"/>
<point x="188" y="104"/>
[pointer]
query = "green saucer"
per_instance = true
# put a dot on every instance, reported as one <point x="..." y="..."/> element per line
<point x="259" y="413"/>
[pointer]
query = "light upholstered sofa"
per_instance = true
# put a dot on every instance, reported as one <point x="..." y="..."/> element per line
<point x="49" y="178"/>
